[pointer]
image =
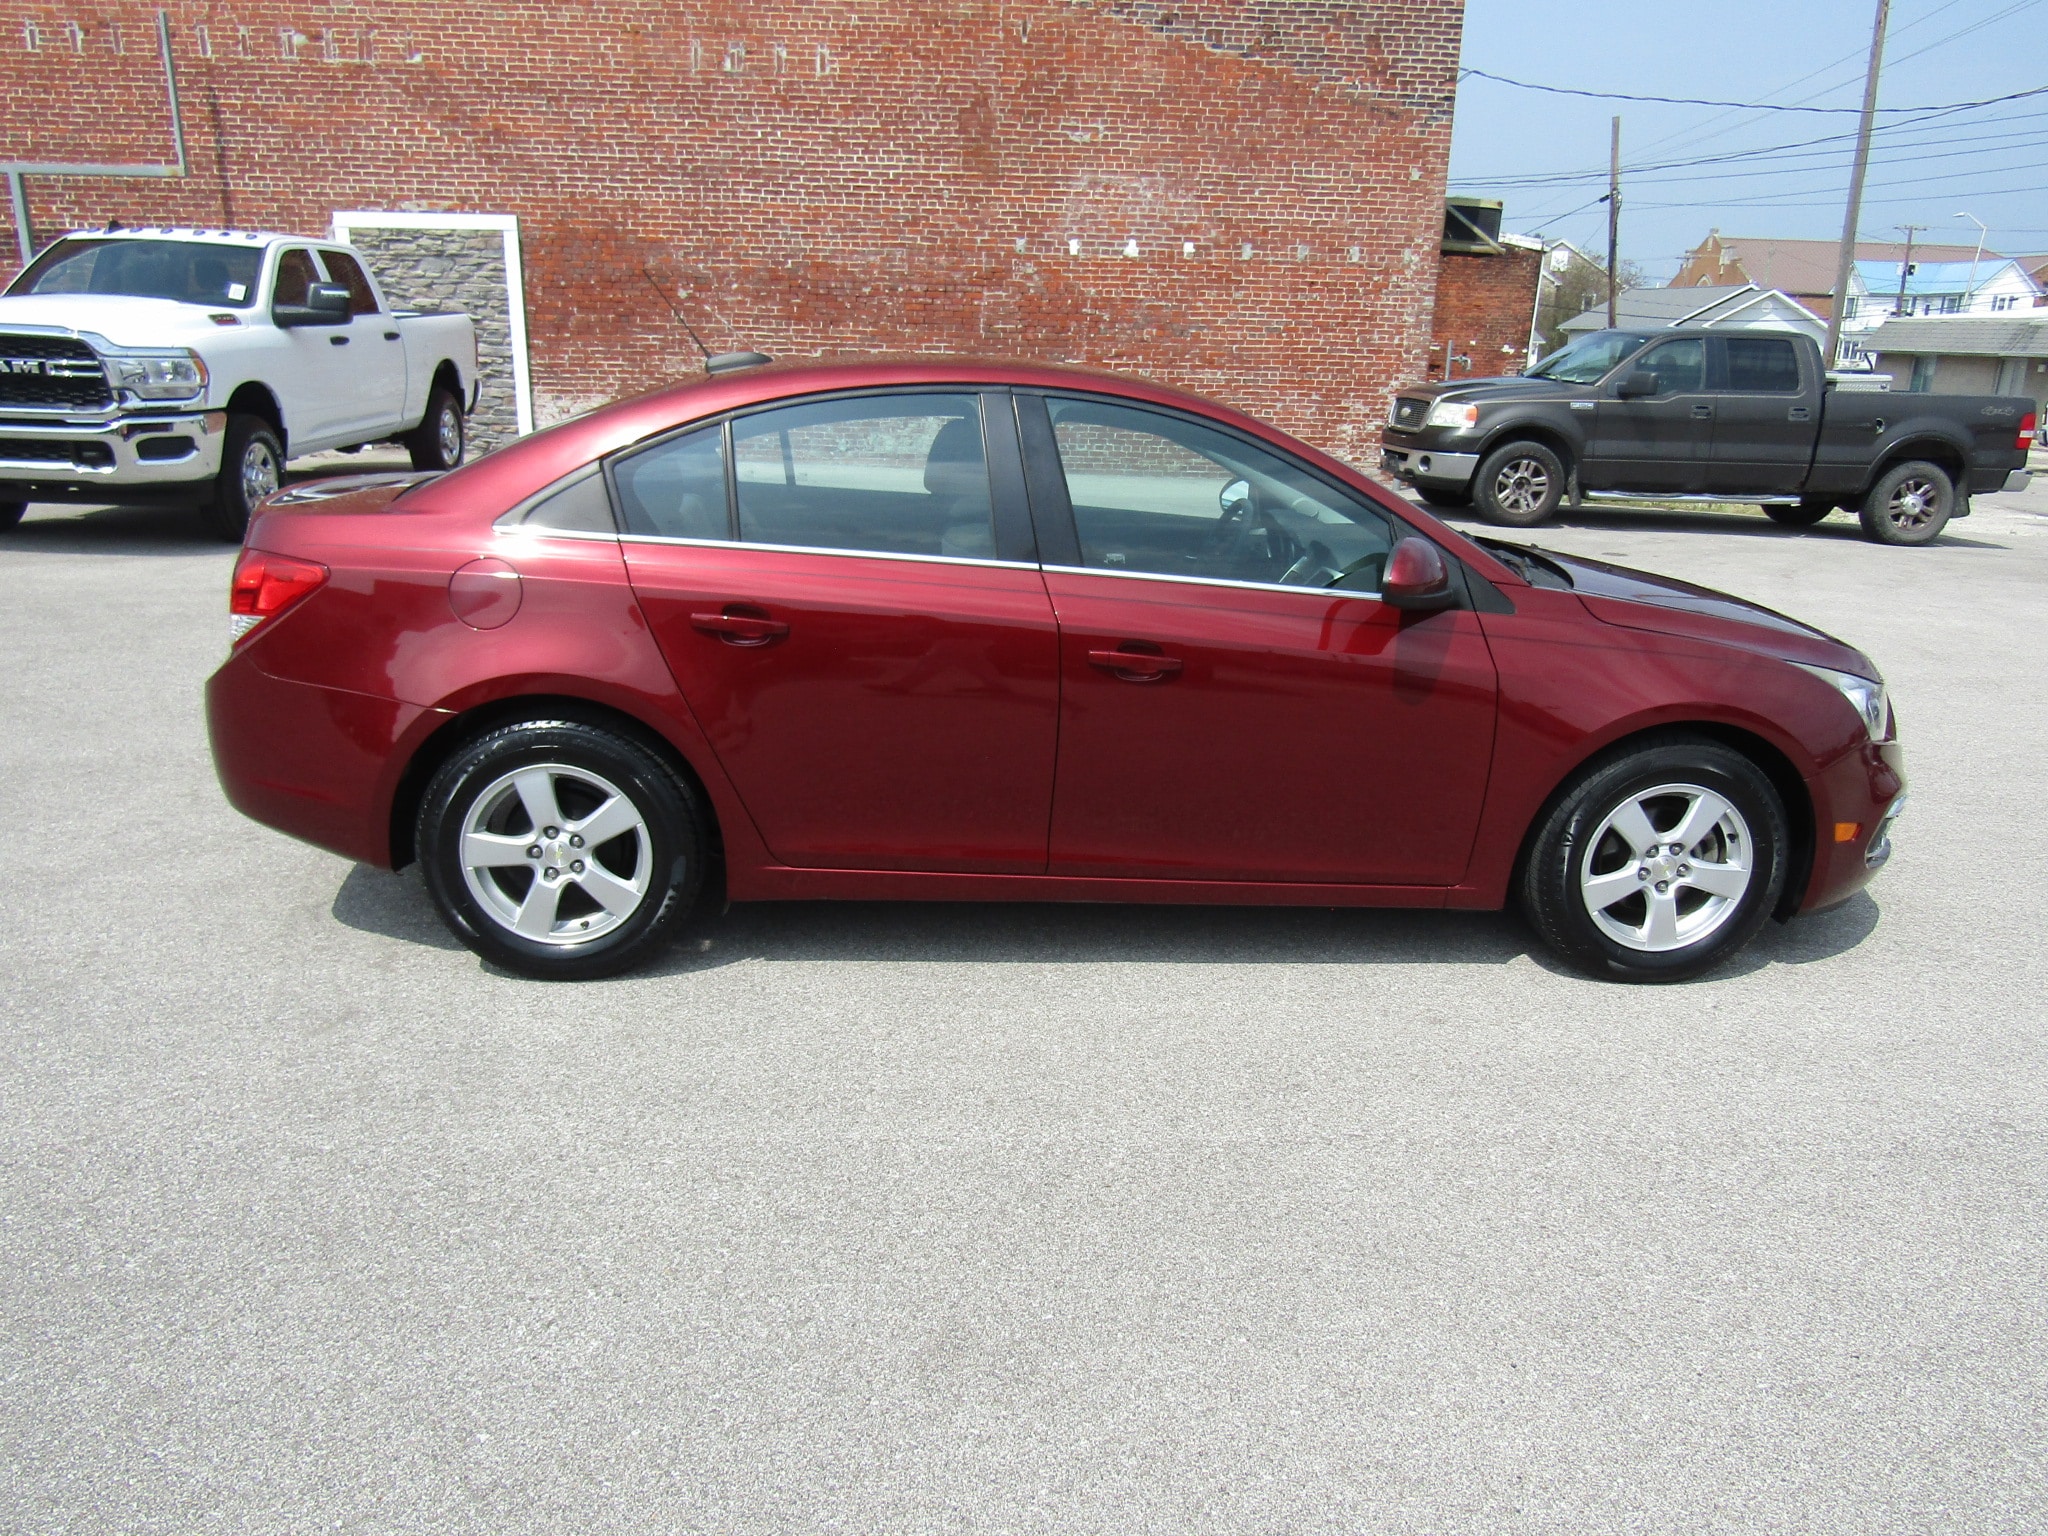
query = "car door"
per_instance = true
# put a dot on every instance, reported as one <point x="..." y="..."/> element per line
<point x="1237" y="703"/>
<point x="1659" y="442"/>
<point x="373" y="405"/>
<point x="313" y="380"/>
<point x="1764" y="417"/>
<point x="847" y="593"/>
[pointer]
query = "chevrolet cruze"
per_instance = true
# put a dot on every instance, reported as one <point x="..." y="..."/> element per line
<point x="968" y="631"/>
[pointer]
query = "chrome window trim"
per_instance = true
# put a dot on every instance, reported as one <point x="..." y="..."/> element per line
<point x="814" y="549"/>
<point x="523" y="531"/>
<point x="1210" y="581"/>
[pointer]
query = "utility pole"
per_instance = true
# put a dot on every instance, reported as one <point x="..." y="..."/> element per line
<point x="1905" y="265"/>
<point x="1614" y="216"/>
<point x="1983" y="234"/>
<point x="1845" y="258"/>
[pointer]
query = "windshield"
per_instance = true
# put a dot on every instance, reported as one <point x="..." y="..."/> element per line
<point x="189" y="271"/>
<point x="1589" y="359"/>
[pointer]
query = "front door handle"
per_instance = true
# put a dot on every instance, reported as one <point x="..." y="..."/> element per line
<point x="1799" y="413"/>
<point x="1135" y="666"/>
<point x="740" y="628"/>
<point x="1703" y="410"/>
<point x="337" y="341"/>
<point x="391" y="335"/>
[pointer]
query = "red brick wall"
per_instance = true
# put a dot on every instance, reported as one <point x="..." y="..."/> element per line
<point x="819" y="178"/>
<point x="1484" y="305"/>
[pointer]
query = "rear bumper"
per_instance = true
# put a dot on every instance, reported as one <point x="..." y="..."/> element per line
<point x="1427" y="466"/>
<point x="1856" y="802"/>
<point x="319" y="763"/>
<point x="2017" y="480"/>
<point x="154" y="456"/>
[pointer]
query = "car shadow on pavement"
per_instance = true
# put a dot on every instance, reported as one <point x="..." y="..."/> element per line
<point x="1838" y="528"/>
<point x="114" y="531"/>
<point x="1070" y="933"/>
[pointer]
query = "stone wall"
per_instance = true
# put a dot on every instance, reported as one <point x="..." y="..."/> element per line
<point x="458" y="269"/>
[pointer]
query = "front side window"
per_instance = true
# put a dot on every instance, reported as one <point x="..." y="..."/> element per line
<point x="347" y="271"/>
<point x="675" y="489"/>
<point x="1589" y="359"/>
<point x="295" y="275"/>
<point x="1163" y="494"/>
<point x="886" y="474"/>
<point x="191" y="272"/>
<point x="1679" y="367"/>
<point x="1762" y="365"/>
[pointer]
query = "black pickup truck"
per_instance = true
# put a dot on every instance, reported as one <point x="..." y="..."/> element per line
<point x="1713" y="415"/>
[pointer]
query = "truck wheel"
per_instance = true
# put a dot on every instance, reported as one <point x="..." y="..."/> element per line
<point x="1449" y="500"/>
<point x="1805" y="515"/>
<point x="437" y="442"/>
<point x="1518" y="484"/>
<point x="1910" y="504"/>
<point x="251" y="465"/>
<point x="10" y="513"/>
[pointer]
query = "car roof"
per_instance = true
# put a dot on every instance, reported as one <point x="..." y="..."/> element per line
<point x="262" y="237"/>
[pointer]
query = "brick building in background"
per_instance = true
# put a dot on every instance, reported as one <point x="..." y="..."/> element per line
<point x="1238" y="196"/>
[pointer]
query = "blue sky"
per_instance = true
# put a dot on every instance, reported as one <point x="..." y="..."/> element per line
<point x="1991" y="162"/>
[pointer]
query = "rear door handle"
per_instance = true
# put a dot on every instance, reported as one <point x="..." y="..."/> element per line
<point x="740" y="628"/>
<point x="337" y="341"/>
<point x="1703" y="410"/>
<point x="1135" y="666"/>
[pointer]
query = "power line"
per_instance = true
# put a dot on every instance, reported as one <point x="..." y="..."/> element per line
<point x="1745" y="106"/>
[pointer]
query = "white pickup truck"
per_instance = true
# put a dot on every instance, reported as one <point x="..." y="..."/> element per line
<point x="181" y="366"/>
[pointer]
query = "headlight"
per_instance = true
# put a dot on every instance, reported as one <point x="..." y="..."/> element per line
<point x="1865" y="696"/>
<point x="1448" y="413"/>
<point x="158" y="375"/>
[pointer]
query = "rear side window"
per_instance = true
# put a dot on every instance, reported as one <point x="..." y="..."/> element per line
<point x="1762" y="365"/>
<point x="346" y="270"/>
<point x="885" y="474"/>
<point x="675" y="489"/>
<point x="579" y="505"/>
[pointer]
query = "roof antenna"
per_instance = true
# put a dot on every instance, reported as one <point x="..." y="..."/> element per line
<point x="714" y="362"/>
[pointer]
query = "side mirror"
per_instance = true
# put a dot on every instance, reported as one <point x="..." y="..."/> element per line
<point x="1234" y="496"/>
<point x="1417" y="578"/>
<point x="326" y="304"/>
<point x="1635" y="384"/>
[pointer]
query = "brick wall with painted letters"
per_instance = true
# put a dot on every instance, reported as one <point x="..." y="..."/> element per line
<point x="1241" y="198"/>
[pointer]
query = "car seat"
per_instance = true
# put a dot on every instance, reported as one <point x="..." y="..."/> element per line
<point x="957" y="474"/>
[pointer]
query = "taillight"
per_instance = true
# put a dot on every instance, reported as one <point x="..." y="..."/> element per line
<point x="2026" y="437"/>
<point x="266" y="585"/>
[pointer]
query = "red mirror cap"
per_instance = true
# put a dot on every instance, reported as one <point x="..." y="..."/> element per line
<point x="1417" y="576"/>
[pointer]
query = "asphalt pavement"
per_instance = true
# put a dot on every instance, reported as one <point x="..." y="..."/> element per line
<point x="892" y="1219"/>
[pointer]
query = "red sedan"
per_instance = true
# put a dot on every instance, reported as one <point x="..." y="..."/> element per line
<point x="970" y="631"/>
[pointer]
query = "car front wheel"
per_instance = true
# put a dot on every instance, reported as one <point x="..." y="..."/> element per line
<point x="560" y="850"/>
<point x="1519" y="485"/>
<point x="1658" y="863"/>
<point x="251" y="465"/>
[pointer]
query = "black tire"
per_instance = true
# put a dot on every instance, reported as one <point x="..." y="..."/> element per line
<point x="1564" y="908"/>
<point x="1449" y="500"/>
<point x="1519" y="485"/>
<point x="251" y="467"/>
<point x="441" y="438"/>
<point x="10" y="513"/>
<point x="1910" y="504"/>
<point x="658" y="860"/>
<point x="1804" y="515"/>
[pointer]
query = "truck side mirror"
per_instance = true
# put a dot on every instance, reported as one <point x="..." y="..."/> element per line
<point x="326" y="304"/>
<point x="1417" y="578"/>
<point x="1635" y="384"/>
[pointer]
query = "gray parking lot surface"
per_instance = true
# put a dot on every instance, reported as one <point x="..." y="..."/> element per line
<point x="1013" y="1219"/>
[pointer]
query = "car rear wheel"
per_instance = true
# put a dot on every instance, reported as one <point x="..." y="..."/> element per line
<point x="1659" y="863"/>
<point x="1910" y="504"/>
<point x="1519" y="485"/>
<point x="439" y="440"/>
<point x="1802" y="515"/>
<point x="10" y="513"/>
<point x="251" y="466"/>
<point x="560" y="850"/>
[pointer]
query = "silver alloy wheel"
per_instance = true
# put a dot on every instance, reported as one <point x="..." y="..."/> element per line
<point x="450" y="433"/>
<point x="259" y="472"/>
<point x="1666" y="868"/>
<point x="1521" y="486"/>
<point x="1912" y="502"/>
<point x="583" y="846"/>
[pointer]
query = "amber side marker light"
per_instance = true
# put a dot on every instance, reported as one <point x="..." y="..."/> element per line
<point x="265" y="586"/>
<point x="1848" y="831"/>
